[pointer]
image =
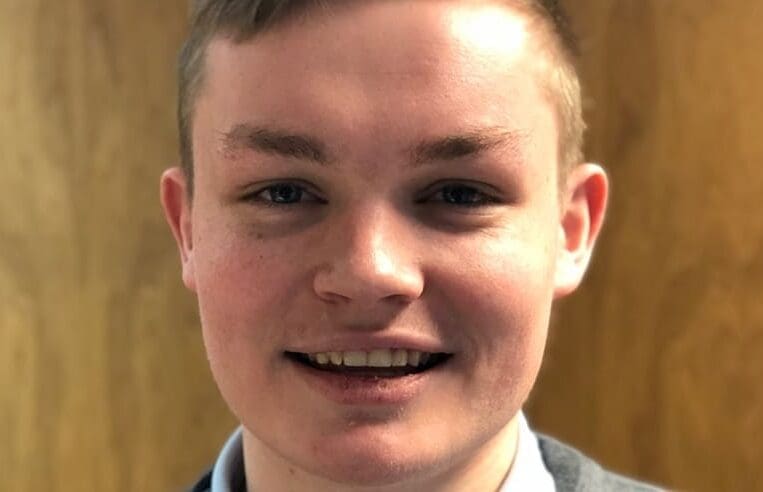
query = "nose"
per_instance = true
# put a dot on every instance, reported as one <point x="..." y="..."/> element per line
<point x="369" y="261"/>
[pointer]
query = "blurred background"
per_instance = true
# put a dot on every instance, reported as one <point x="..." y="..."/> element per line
<point x="654" y="368"/>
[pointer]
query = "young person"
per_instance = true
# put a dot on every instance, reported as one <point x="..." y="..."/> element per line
<point x="377" y="205"/>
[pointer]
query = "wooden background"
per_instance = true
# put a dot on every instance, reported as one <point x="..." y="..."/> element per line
<point x="654" y="368"/>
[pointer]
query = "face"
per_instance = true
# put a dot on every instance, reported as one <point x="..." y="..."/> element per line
<point x="371" y="184"/>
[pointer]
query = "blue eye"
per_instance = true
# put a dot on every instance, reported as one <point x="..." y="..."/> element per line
<point x="463" y="196"/>
<point x="285" y="193"/>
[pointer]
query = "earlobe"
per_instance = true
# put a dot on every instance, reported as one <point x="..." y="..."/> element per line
<point x="581" y="220"/>
<point x="177" y="211"/>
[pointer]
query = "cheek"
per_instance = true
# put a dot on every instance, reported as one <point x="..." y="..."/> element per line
<point x="245" y="290"/>
<point x="243" y="285"/>
<point x="497" y="303"/>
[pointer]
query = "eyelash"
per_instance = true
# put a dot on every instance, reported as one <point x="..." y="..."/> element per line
<point x="257" y="196"/>
<point x="482" y="199"/>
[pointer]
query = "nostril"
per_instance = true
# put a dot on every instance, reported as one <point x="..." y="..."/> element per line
<point x="333" y="297"/>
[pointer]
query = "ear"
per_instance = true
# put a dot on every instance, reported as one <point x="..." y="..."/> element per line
<point x="583" y="207"/>
<point x="177" y="210"/>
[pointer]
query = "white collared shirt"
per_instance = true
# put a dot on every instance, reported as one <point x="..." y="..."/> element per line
<point x="528" y="473"/>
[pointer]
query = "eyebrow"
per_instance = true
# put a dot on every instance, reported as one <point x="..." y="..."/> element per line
<point x="277" y="142"/>
<point x="466" y="145"/>
<point x="303" y="147"/>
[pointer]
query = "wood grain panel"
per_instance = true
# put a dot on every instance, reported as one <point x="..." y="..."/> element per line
<point x="103" y="380"/>
<point x="655" y="367"/>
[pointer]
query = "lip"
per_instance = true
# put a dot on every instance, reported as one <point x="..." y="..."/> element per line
<point x="346" y="389"/>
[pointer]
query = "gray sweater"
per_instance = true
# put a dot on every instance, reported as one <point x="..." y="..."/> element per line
<point x="574" y="472"/>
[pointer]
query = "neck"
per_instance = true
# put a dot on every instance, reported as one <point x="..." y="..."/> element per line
<point x="482" y="469"/>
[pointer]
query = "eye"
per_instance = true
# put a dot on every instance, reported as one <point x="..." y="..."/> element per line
<point x="282" y="194"/>
<point x="462" y="195"/>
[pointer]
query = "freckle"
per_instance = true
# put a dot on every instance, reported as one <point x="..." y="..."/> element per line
<point x="259" y="235"/>
<point x="291" y="471"/>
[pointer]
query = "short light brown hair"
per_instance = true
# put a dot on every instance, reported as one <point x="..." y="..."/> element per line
<point x="241" y="20"/>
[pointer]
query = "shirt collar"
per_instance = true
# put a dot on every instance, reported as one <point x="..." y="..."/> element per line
<point x="228" y="471"/>
<point x="527" y="473"/>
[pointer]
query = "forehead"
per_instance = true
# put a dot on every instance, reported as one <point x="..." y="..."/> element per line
<point x="394" y="70"/>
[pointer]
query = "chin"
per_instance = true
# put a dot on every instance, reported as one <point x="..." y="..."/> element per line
<point x="369" y="457"/>
<point x="372" y="468"/>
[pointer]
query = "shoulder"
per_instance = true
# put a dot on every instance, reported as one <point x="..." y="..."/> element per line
<point x="574" y="472"/>
<point x="204" y="484"/>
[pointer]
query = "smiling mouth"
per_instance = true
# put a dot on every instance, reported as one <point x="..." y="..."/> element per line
<point x="383" y="363"/>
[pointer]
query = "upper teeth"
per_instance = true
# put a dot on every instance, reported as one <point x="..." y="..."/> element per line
<point x="372" y="358"/>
